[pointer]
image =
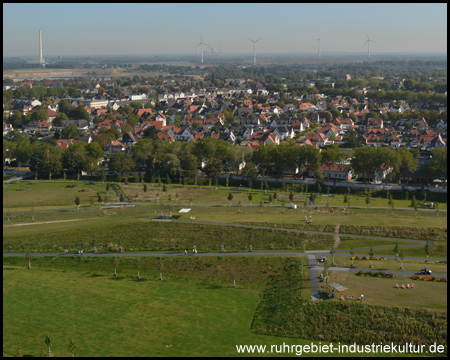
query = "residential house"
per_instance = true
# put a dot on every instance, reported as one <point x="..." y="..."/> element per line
<point x="65" y="143"/>
<point x="114" y="146"/>
<point x="336" y="171"/>
<point x="81" y="124"/>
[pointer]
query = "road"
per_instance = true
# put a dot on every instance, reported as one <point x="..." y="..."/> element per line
<point x="120" y="204"/>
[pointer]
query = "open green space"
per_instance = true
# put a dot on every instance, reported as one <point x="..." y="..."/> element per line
<point x="57" y="193"/>
<point x="430" y="295"/>
<point x="152" y="236"/>
<point x="124" y="317"/>
<point x="43" y="195"/>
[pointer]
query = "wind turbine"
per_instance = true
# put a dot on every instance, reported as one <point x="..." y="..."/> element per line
<point x="318" y="46"/>
<point x="254" y="48"/>
<point x="201" y="43"/>
<point x="368" y="44"/>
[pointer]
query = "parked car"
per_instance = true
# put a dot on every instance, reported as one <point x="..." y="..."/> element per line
<point x="425" y="270"/>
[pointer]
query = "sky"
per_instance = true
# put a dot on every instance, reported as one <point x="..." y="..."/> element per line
<point x="155" y="29"/>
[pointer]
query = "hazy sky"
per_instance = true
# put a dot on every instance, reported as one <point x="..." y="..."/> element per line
<point x="109" y="28"/>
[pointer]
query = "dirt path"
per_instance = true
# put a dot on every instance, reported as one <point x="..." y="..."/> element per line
<point x="337" y="238"/>
<point x="45" y="222"/>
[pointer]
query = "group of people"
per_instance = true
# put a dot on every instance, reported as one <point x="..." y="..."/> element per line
<point x="194" y="251"/>
<point x="308" y="220"/>
<point x="192" y="217"/>
<point x="407" y="286"/>
<point x="80" y="252"/>
<point x="66" y="251"/>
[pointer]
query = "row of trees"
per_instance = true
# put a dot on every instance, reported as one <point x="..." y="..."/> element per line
<point x="177" y="159"/>
<point x="46" y="159"/>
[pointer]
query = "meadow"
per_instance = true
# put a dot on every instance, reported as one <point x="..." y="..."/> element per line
<point x="195" y="311"/>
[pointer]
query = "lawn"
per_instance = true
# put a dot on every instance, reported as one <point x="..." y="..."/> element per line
<point x="159" y="319"/>
<point x="43" y="195"/>
<point x="380" y="291"/>
<point x="110" y="316"/>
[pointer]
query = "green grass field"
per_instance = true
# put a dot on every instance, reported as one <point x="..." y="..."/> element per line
<point x="159" y="319"/>
<point x="379" y="291"/>
<point x="47" y="193"/>
<point x="196" y="311"/>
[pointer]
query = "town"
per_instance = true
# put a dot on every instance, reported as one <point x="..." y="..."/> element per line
<point x="198" y="180"/>
<point x="126" y="117"/>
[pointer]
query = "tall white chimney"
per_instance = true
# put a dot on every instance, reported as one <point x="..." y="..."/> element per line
<point x="40" y="45"/>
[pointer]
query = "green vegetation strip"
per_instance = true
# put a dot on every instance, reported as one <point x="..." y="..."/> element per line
<point x="156" y="236"/>
<point x="220" y="270"/>
<point x="283" y="312"/>
<point x="413" y="233"/>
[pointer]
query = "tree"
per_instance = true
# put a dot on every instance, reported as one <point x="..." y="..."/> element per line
<point x="72" y="346"/>
<point x="46" y="159"/>
<point x="230" y="197"/>
<point x="151" y="133"/>
<point x="371" y="253"/>
<point x="213" y="168"/>
<point x="94" y="150"/>
<point x="99" y="199"/>
<point x="368" y="199"/>
<point x="391" y="204"/>
<point x="138" y="265"/>
<point x="414" y="204"/>
<point x="250" y="198"/>
<point x="40" y="115"/>
<point x="71" y="132"/>
<point x="402" y="257"/>
<point x="332" y="252"/>
<point x="57" y="121"/>
<point x="365" y="161"/>
<point x="396" y="250"/>
<point x="427" y="249"/>
<point x="291" y="196"/>
<point x="74" y="157"/>
<point x="121" y="162"/>
<point x="116" y="264"/>
<point x="160" y="268"/>
<point x="189" y="165"/>
<point x="171" y="166"/>
<point x="48" y="341"/>
<point x="16" y="119"/>
<point x="77" y="201"/>
<point x="438" y="163"/>
<point x="29" y="258"/>
<point x="352" y="253"/>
